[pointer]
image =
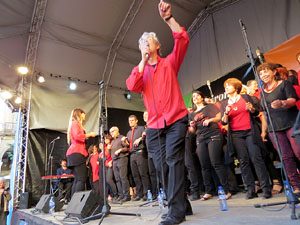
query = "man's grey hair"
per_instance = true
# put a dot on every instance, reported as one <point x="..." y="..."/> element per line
<point x="153" y="34"/>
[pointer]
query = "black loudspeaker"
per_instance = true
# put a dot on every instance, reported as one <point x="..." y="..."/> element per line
<point x="24" y="197"/>
<point x="43" y="204"/>
<point x="84" y="204"/>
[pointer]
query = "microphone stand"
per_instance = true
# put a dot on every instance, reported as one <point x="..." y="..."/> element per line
<point x="103" y="196"/>
<point x="291" y="198"/>
<point x="50" y="165"/>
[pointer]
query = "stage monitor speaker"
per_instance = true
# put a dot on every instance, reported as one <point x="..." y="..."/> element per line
<point x="43" y="204"/>
<point x="84" y="204"/>
<point x="24" y="197"/>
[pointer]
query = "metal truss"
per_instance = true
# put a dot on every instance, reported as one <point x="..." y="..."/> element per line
<point x="202" y="16"/>
<point x="21" y="139"/>
<point x="113" y="50"/>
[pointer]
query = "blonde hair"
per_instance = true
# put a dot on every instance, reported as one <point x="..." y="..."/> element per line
<point x="75" y="115"/>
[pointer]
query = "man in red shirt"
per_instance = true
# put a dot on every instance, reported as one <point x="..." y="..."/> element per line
<point x="156" y="78"/>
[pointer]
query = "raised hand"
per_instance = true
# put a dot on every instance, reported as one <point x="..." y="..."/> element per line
<point x="164" y="9"/>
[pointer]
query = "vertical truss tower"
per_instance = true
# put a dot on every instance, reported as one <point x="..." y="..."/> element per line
<point x="21" y="138"/>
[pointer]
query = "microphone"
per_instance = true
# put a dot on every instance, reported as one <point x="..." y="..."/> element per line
<point x="209" y="87"/>
<point x="146" y="44"/>
<point x="58" y="137"/>
<point x="260" y="56"/>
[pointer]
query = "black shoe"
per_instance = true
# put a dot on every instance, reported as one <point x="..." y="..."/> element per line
<point x="194" y="196"/>
<point x="119" y="198"/>
<point x="137" y="198"/>
<point x="188" y="212"/>
<point x="171" y="221"/>
<point x="267" y="194"/>
<point x="145" y="198"/>
<point x="126" y="199"/>
<point x="251" y="195"/>
<point x="188" y="209"/>
<point x="164" y="216"/>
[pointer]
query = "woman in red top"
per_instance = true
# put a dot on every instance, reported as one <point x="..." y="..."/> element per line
<point x="238" y="111"/>
<point x="93" y="162"/>
<point x="76" y="154"/>
<point x="109" y="174"/>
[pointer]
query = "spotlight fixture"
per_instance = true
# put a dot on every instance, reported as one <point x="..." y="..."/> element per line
<point x="6" y="95"/>
<point x="23" y="70"/>
<point x="72" y="85"/>
<point x="41" y="79"/>
<point x="18" y="100"/>
<point x="127" y="95"/>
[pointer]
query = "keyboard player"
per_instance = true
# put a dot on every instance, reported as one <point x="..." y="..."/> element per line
<point x="64" y="185"/>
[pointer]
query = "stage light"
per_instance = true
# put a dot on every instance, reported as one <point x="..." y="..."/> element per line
<point x="41" y="79"/>
<point x="23" y="70"/>
<point x="127" y="95"/>
<point x="18" y="100"/>
<point x="6" y="95"/>
<point x="72" y="85"/>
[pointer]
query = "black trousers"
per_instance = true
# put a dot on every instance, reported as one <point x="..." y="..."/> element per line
<point x="210" y="154"/>
<point x="109" y="175"/>
<point x="166" y="146"/>
<point x="64" y="190"/>
<point x="153" y="176"/>
<point x="139" y="170"/>
<point x="120" y="167"/>
<point x="247" y="150"/>
<point x="190" y="164"/>
<point x="80" y="176"/>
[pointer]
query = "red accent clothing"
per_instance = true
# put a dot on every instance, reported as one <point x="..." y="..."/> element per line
<point x="160" y="87"/>
<point x="257" y="94"/>
<point x="297" y="89"/>
<point x="95" y="166"/>
<point x="77" y="140"/>
<point x="239" y="117"/>
<point x="107" y="156"/>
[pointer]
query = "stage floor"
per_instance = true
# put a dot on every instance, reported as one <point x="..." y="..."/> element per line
<point x="240" y="211"/>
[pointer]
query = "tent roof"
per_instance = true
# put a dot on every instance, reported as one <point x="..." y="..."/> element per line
<point x="76" y="36"/>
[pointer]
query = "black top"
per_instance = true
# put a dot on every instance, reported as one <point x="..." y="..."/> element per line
<point x="138" y="132"/>
<point x="282" y="118"/>
<point x="116" y="144"/>
<point x="293" y="80"/>
<point x="203" y="132"/>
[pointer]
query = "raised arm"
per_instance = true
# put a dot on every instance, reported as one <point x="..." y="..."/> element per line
<point x="165" y="13"/>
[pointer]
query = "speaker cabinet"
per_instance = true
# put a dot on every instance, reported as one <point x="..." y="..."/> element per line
<point x="84" y="204"/>
<point x="43" y="204"/>
<point x="24" y="198"/>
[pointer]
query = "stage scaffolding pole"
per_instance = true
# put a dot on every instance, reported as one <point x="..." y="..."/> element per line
<point x="18" y="172"/>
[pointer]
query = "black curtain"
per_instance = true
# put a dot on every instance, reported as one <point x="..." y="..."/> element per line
<point x="39" y="148"/>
